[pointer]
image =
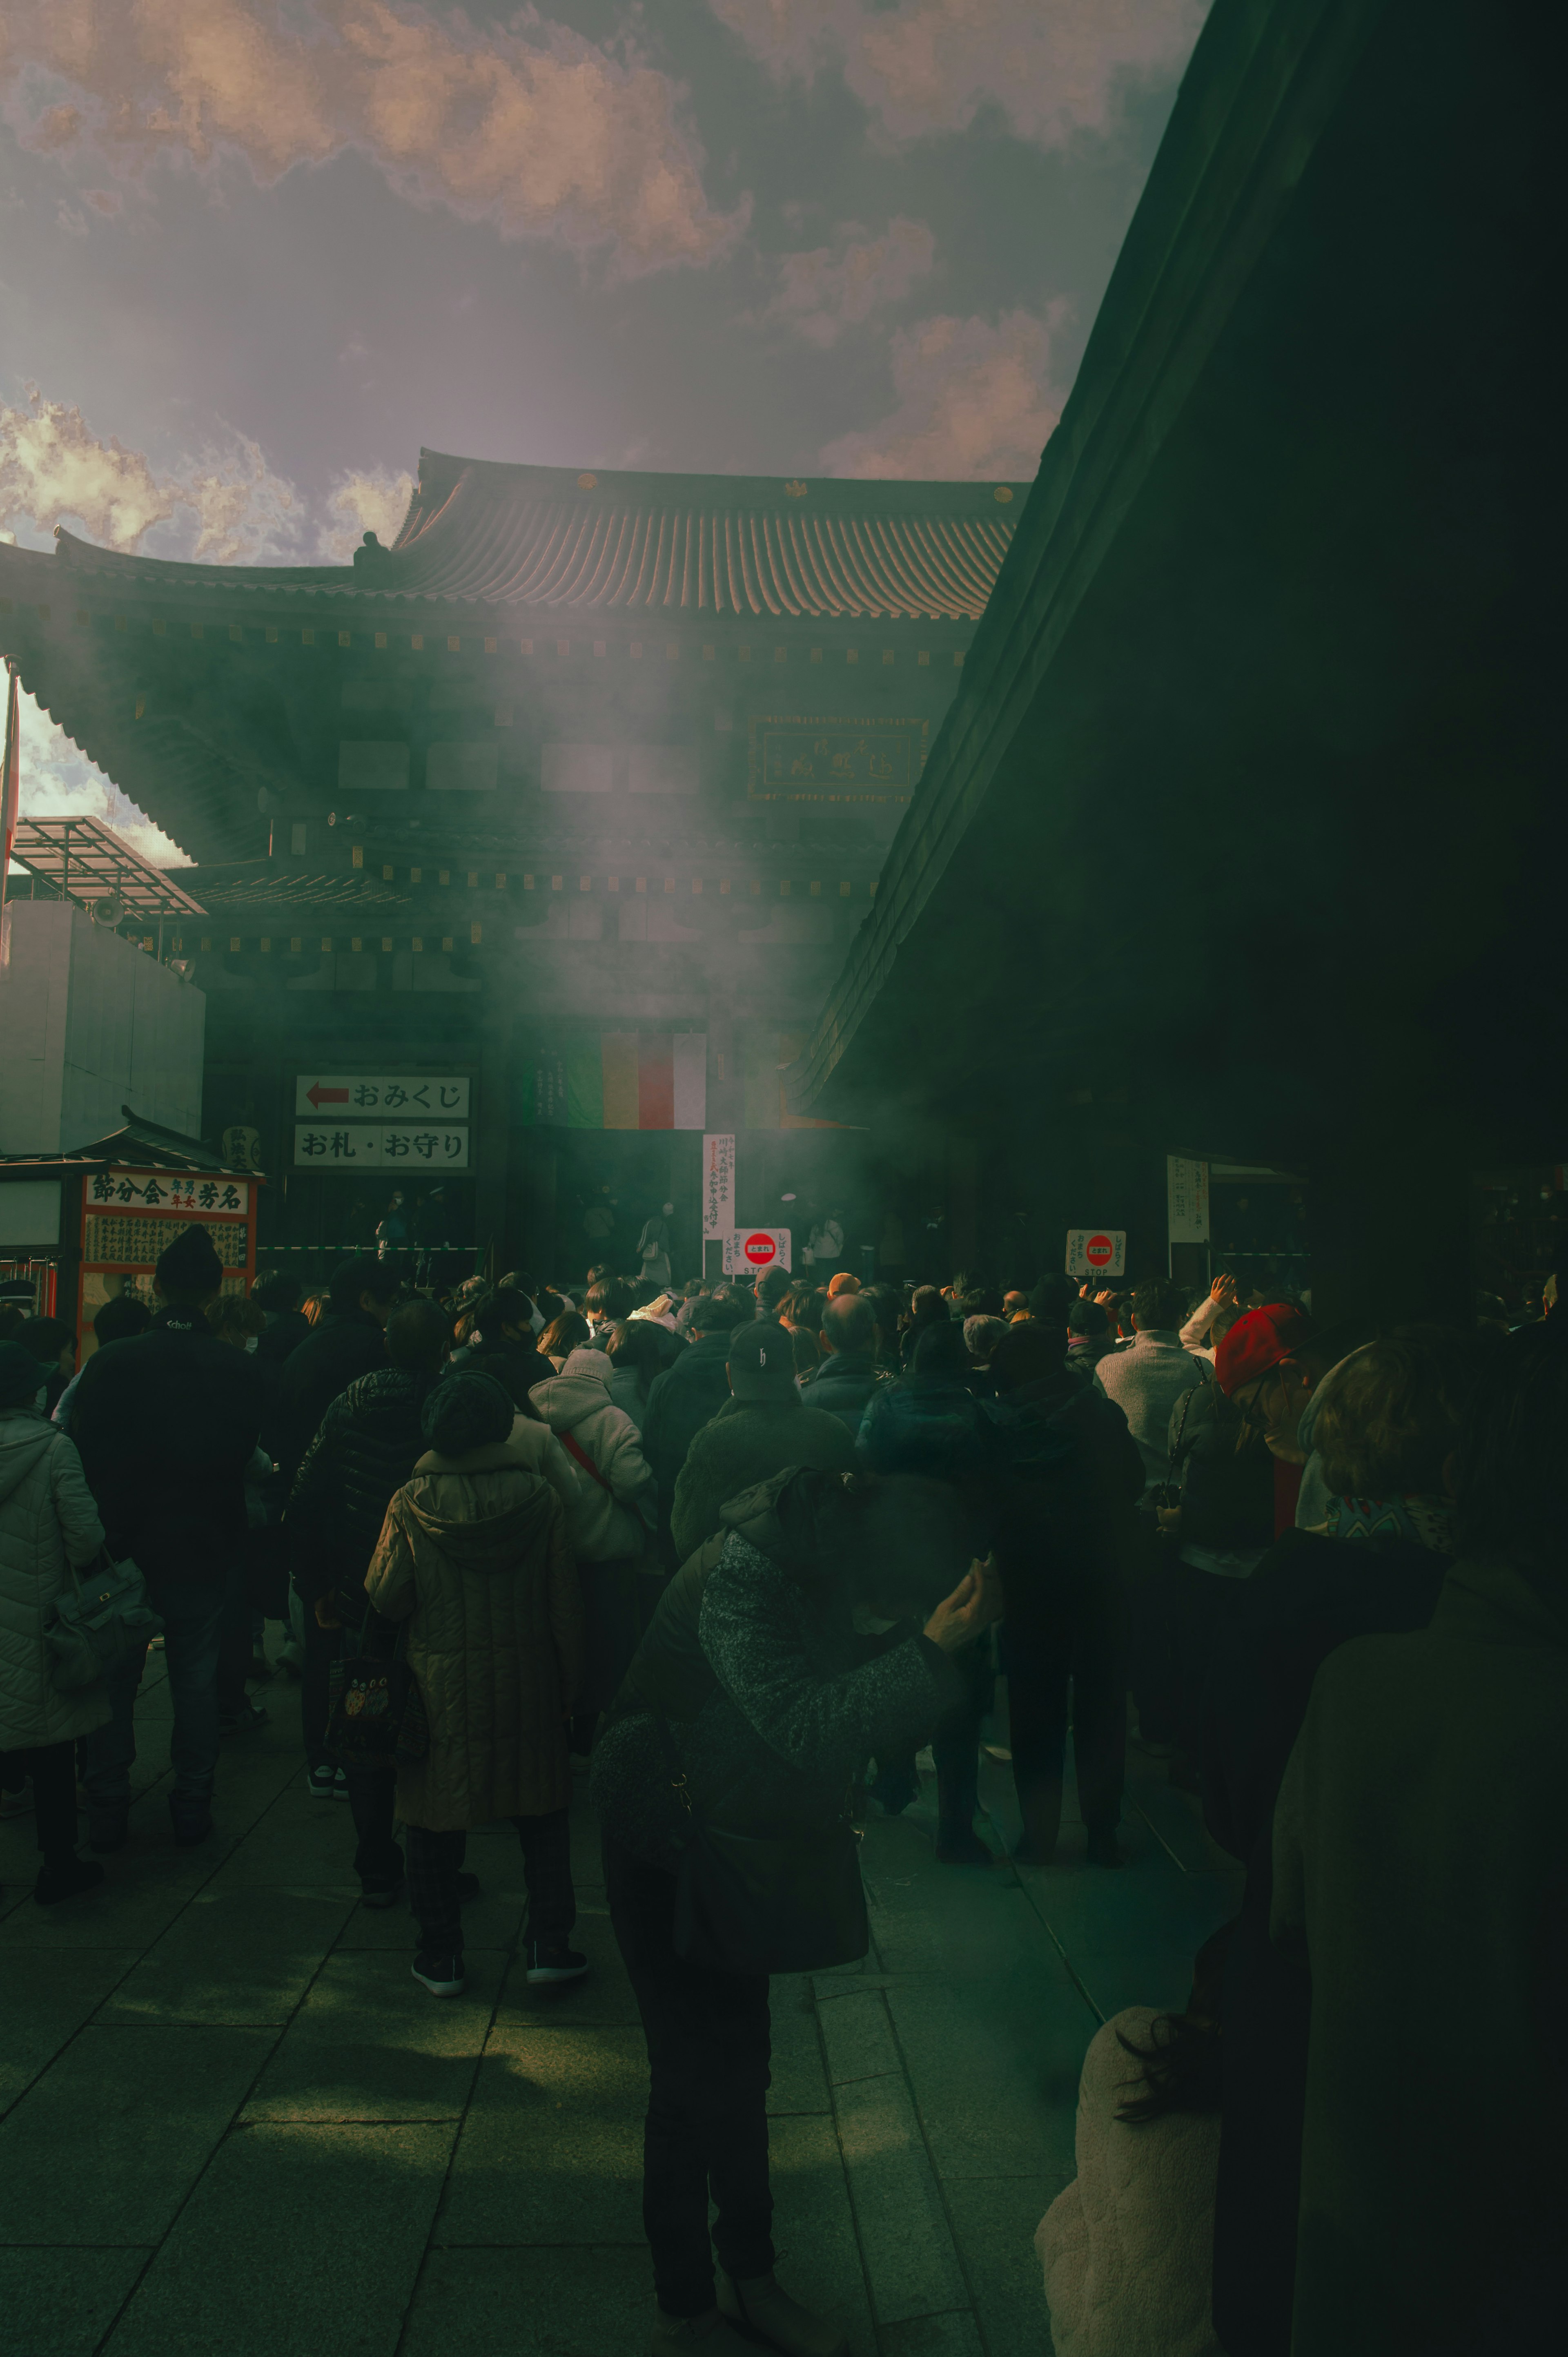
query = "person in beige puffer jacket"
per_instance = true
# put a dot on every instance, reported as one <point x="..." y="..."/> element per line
<point x="47" y="1522"/>
<point x="610" y="1527"/>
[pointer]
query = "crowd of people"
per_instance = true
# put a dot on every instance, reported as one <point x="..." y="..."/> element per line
<point x="739" y="1551"/>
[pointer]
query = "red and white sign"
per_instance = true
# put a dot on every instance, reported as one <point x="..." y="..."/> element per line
<point x="753" y="1250"/>
<point x="1096" y="1252"/>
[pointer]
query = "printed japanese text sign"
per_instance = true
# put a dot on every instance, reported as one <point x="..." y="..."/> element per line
<point x="718" y="1185"/>
<point x="372" y="1096"/>
<point x="179" y="1192"/>
<point x="417" y="1147"/>
<point x="1186" y="1198"/>
<point x="1096" y="1252"/>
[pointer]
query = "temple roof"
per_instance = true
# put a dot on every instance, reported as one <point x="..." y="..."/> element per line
<point x="654" y="545"/>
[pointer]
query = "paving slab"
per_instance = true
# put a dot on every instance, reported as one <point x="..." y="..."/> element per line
<point x="110" y="2141"/>
<point x="858" y="2036"/>
<point x="814" y="2225"/>
<point x="994" y="2071"/>
<point x="234" y="1955"/>
<point x="1130" y="1934"/>
<point x="910" y="2262"/>
<point x="953" y="2335"/>
<point x="45" y="1997"/>
<point x="61" y="2303"/>
<point x="994" y="2220"/>
<point x="298" y="2242"/>
<point x="593" y="2301"/>
<point x="371" y="2043"/>
<point x="138" y="1898"/>
<point x="552" y="2148"/>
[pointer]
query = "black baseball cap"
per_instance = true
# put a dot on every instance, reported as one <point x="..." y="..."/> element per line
<point x="761" y="1362"/>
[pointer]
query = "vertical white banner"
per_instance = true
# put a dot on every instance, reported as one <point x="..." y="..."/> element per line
<point x="718" y="1185"/>
<point x="1186" y="1199"/>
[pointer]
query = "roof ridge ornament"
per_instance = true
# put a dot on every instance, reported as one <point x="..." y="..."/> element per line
<point x="795" y="491"/>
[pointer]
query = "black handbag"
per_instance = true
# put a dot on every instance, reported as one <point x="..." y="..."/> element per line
<point x="760" y="1904"/>
<point x="376" y="1714"/>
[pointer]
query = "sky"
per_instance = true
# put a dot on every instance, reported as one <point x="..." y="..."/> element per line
<point x="253" y="253"/>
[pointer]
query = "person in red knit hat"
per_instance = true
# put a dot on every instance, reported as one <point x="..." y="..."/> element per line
<point x="1265" y="1367"/>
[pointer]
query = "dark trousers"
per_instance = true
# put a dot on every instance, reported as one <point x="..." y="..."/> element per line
<point x="322" y="1647"/>
<point x="1077" y="1637"/>
<point x="706" y="2132"/>
<point x="234" y="1647"/>
<point x="610" y="1592"/>
<point x="435" y="1860"/>
<point x="52" y="1767"/>
<point x="372" y="1800"/>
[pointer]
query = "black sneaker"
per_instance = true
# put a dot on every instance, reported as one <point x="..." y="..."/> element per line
<point x="192" y="1822"/>
<point x="1102" y="1847"/>
<point x="66" y="1881"/>
<point x="548" y="1964"/>
<point x="244" y="1715"/>
<point x="442" y="1975"/>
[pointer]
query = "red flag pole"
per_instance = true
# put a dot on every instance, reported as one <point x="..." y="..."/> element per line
<point x="10" y="794"/>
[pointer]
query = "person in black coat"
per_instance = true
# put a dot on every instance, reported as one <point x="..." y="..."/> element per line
<point x="167" y="1426"/>
<point x="1384" y="1432"/>
<point x="277" y="1295"/>
<point x="1064" y="1514"/>
<point x="687" y="1396"/>
<point x="848" y="1373"/>
<point x="365" y="1448"/>
<point x="348" y="1340"/>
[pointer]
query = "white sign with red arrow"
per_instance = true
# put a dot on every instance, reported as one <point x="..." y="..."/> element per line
<point x="372" y="1096"/>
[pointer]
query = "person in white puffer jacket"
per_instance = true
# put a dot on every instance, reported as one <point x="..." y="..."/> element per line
<point x="1128" y="2249"/>
<point x="47" y="1523"/>
<point x="614" y="1514"/>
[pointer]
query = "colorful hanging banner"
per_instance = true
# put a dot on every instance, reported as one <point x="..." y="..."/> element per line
<point x="621" y="1079"/>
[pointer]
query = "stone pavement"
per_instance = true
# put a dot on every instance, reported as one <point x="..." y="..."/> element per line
<point x="230" y="2120"/>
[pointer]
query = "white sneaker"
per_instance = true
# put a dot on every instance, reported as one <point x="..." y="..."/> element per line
<point x="321" y="1783"/>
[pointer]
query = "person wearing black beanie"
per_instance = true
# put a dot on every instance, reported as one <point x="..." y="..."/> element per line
<point x="474" y="1556"/>
<point x="167" y="1425"/>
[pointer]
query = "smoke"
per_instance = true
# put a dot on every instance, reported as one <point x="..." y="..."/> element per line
<point x="1052" y="69"/>
<point x="528" y="126"/>
<point x="974" y="403"/>
<point x="52" y="464"/>
<point x="834" y="286"/>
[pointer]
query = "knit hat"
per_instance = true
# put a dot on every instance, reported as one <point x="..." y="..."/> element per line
<point x="190" y="1264"/>
<point x="466" y="1411"/>
<point x="1258" y="1341"/>
<point x="21" y="1376"/>
<point x="844" y="1282"/>
<point x="762" y="1362"/>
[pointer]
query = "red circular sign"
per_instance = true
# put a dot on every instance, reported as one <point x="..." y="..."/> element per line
<point x="760" y="1249"/>
<point x="1100" y="1251"/>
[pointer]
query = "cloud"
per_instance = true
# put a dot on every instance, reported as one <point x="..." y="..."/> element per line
<point x="53" y="466"/>
<point x="834" y="286"/>
<point x="975" y="403"/>
<point x="528" y="126"/>
<point x="1053" y="68"/>
<point x="371" y="500"/>
<point x="59" y="781"/>
<point x="55" y="469"/>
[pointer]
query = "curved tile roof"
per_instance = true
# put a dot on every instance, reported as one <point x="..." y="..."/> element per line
<point x="676" y="547"/>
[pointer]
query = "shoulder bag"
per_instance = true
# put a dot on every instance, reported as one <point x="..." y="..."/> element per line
<point x="99" y="1626"/>
<point x="752" y="1903"/>
<point x="376" y="1715"/>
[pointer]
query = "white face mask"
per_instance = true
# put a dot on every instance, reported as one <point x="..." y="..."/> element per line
<point x="250" y="1341"/>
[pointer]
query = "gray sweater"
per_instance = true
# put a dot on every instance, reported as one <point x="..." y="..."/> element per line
<point x="801" y="1702"/>
<point x="1145" y="1383"/>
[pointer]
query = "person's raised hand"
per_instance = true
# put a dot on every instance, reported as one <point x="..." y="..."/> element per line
<point x="1223" y="1289"/>
<point x="974" y="1605"/>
